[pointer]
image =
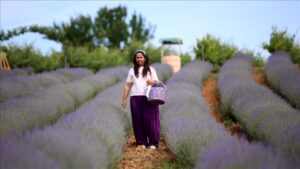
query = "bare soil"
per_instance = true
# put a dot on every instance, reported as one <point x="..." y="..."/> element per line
<point x="259" y="76"/>
<point x="134" y="157"/>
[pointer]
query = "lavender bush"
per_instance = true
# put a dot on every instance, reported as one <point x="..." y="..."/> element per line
<point x="91" y="137"/>
<point x="197" y="139"/>
<point x="179" y="116"/>
<point x="230" y="152"/>
<point x="17" y="86"/>
<point x="284" y="76"/>
<point x="16" y="72"/>
<point x="265" y="116"/>
<point x="48" y="105"/>
<point x="75" y="73"/>
<point x="15" y="154"/>
<point x="164" y="71"/>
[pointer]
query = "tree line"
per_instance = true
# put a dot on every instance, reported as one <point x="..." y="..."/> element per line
<point x="108" y="29"/>
<point x="217" y="52"/>
<point x="110" y="39"/>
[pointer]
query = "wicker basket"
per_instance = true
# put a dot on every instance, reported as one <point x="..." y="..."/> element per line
<point x="157" y="94"/>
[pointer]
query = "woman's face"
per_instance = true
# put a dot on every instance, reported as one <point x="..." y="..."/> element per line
<point x="140" y="59"/>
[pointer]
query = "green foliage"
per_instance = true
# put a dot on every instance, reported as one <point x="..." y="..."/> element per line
<point x="138" y="29"/>
<point x="109" y="29"/>
<point x="295" y="53"/>
<point x="83" y="56"/>
<point x="185" y="58"/>
<point x="27" y="56"/>
<point x="184" y="156"/>
<point x="94" y="59"/>
<point x="211" y="49"/>
<point x="112" y="30"/>
<point x="77" y="33"/>
<point x="258" y="61"/>
<point x="281" y="40"/>
<point x="110" y="26"/>
<point x="131" y="48"/>
<point x="153" y="52"/>
<point x="11" y="33"/>
<point x="174" y="164"/>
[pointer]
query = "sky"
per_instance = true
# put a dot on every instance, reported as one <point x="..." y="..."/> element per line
<point x="246" y="24"/>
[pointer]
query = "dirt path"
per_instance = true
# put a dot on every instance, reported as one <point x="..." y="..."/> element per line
<point x="259" y="76"/>
<point x="138" y="158"/>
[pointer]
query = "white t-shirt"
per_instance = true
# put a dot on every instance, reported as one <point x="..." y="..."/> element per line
<point x="140" y="84"/>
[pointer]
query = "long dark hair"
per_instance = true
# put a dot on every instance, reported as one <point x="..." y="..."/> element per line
<point x="137" y="66"/>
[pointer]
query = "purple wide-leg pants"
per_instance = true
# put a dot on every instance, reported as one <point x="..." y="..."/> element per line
<point x="145" y="121"/>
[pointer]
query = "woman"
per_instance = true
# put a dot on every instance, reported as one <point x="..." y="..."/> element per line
<point x="145" y="116"/>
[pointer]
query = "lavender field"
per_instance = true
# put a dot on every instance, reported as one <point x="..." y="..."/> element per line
<point x="198" y="140"/>
<point x="92" y="136"/>
<point x="17" y="86"/>
<point x="46" y="106"/>
<point x="76" y="121"/>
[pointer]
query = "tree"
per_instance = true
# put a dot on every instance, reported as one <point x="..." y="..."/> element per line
<point x="109" y="30"/>
<point x="138" y="31"/>
<point x="76" y="33"/>
<point x="211" y="49"/>
<point x="110" y="27"/>
<point x="79" y="32"/>
<point x="11" y="33"/>
<point x="281" y="40"/>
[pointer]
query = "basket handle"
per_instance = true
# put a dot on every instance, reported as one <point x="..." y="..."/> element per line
<point x="161" y="83"/>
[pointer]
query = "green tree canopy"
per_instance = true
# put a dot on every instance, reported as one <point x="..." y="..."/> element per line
<point x="138" y="31"/>
<point x="213" y="50"/>
<point x="110" y="26"/>
<point x="281" y="40"/>
<point x="109" y="29"/>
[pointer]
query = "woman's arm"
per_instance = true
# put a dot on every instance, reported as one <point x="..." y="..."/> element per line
<point x="154" y="78"/>
<point x="126" y="91"/>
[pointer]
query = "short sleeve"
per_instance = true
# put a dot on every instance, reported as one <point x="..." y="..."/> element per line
<point x="129" y="77"/>
<point x="153" y="73"/>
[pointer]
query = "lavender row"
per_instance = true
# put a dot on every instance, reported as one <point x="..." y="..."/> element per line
<point x="17" y="86"/>
<point x="265" y="115"/>
<point x="197" y="139"/>
<point x="164" y="71"/>
<point x="46" y="106"/>
<point x="181" y="120"/>
<point x="91" y="137"/>
<point x="16" y="72"/>
<point x="284" y="77"/>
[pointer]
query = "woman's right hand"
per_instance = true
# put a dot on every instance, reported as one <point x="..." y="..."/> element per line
<point x="150" y="82"/>
<point x="124" y="104"/>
